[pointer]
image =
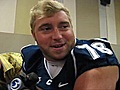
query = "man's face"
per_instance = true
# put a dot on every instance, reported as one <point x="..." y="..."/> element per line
<point x="54" y="35"/>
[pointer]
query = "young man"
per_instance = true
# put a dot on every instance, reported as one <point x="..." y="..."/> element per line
<point x="63" y="62"/>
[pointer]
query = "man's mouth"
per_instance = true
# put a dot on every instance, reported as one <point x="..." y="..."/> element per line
<point x="57" y="45"/>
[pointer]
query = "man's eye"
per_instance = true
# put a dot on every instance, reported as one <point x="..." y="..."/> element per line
<point x="45" y="28"/>
<point x="64" y="27"/>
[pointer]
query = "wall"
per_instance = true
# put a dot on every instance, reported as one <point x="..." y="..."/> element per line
<point x="95" y="20"/>
<point x="7" y="15"/>
<point x="117" y="16"/>
<point x="22" y="16"/>
<point x="116" y="49"/>
<point x="10" y="42"/>
<point x="87" y="22"/>
<point x="14" y="24"/>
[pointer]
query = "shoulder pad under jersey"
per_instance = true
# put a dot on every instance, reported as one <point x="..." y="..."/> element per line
<point x="94" y="48"/>
<point x="31" y="56"/>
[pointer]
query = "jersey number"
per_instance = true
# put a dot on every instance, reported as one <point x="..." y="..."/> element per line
<point x="97" y="45"/>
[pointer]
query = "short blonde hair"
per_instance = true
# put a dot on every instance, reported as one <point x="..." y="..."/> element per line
<point x="46" y="8"/>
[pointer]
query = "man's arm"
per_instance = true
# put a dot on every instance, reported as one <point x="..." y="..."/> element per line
<point x="103" y="78"/>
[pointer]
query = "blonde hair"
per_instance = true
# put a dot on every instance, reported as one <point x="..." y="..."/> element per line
<point x="46" y="8"/>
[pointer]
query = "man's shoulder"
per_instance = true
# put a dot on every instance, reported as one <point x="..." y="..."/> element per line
<point x="31" y="57"/>
<point x="94" y="48"/>
<point x="30" y="51"/>
<point x="93" y="53"/>
<point x="31" y="47"/>
<point x="92" y="40"/>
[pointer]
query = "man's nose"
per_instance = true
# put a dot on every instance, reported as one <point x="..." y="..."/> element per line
<point x="56" y="34"/>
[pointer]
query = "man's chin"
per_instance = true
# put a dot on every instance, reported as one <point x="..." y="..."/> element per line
<point x="58" y="58"/>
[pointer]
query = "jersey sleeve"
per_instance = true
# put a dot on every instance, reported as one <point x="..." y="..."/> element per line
<point x="31" y="57"/>
<point x="93" y="53"/>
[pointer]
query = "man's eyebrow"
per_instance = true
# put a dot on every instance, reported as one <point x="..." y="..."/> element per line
<point x="64" y="22"/>
<point x="46" y="24"/>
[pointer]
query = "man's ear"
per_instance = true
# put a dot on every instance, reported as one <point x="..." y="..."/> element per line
<point x="33" y="34"/>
